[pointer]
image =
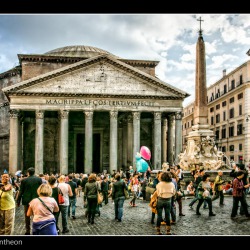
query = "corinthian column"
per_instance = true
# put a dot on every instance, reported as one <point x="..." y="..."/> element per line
<point x="170" y="140"/>
<point x="178" y="135"/>
<point x="157" y="140"/>
<point x="164" y="140"/>
<point x="88" y="157"/>
<point x="64" y="141"/>
<point x="136" y="135"/>
<point x="39" y="141"/>
<point x="113" y="141"/>
<point x="130" y="140"/>
<point x="14" y="140"/>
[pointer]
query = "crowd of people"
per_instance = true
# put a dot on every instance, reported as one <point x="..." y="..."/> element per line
<point x="38" y="195"/>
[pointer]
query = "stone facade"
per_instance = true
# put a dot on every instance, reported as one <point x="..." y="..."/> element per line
<point x="84" y="114"/>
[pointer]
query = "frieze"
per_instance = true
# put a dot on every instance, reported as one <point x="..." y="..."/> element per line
<point x="100" y="102"/>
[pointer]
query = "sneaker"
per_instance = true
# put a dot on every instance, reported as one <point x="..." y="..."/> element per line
<point x="198" y="213"/>
<point x="181" y="214"/>
<point x="130" y="203"/>
<point x="65" y="231"/>
<point x="119" y="220"/>
<point x="172" y="222"/>
<point x="191" y="207"/>
<point x="212" y="214"/>
<point x="134" y="205"/>
<point x="163" y="223"/>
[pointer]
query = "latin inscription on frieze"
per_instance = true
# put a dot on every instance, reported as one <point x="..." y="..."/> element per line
<point x="78" y="102"/>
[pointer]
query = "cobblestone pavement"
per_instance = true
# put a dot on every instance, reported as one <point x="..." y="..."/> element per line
<point x="136" y="221"/>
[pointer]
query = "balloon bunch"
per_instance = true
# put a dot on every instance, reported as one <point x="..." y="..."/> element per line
<point x="142" y="158"/>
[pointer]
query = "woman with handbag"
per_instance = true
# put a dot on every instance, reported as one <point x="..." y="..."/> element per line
<point x="118" y="196"/>
<point x="204" y="189"/>
<point x="42" y="209"/>
<point x="91" y="191"/>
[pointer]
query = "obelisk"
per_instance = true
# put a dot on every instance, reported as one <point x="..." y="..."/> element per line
<point x="200" y="111"/>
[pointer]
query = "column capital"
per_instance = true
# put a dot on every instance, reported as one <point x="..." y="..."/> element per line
<point x="39" y="114"/>
<point x="130" y="118"/>
<point x="157" y="115"/>
<point x="113" y="114"/>
<point x="136" y="115"/>
<point x="89" y="115"/>
<point x="64" y="114"/>
<point x="178" y="115"/>
<point x="14" y="113"/>
<point x="170" y="118"/>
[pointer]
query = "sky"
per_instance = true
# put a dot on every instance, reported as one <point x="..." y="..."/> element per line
<point x="168" y="38"/>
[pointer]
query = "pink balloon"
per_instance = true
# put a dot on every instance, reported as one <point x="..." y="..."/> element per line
<point x="145" y="153"/>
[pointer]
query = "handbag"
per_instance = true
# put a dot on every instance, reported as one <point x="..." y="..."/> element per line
<point x="126" y="194"/>
<point x="99" y="198"/>
<point x="60" y="196"/>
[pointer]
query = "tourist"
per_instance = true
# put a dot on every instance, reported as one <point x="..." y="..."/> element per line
<point x="204" y="189"/>
<point x="190" y="188"/>
<point x="238" y="195"/>
<point x="7" y="206"/>
<point x="165" y="191"/>
<point x="42" y="209"/>
<point x="196" y="183"/>
<point x="104" y="189"/>
<point x="218" y="188"/>
<point x="83" y="183"/>
<point x="228" y="188"/>
<point x="118" y="197"/>
<point x="134" y="189"/>
<point x="91" y="189"/>
<point x="63" y="208"/>
<point x="72" y="199"/>
<point x="27" y="192"/>
<point x="53" y="185"/>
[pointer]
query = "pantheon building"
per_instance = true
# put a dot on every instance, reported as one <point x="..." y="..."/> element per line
<point x="82" y="109"/>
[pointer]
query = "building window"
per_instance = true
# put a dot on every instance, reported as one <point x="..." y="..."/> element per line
<point x="240" y="109"/>
<point x="224" y="149"/>
<point x="217" y="134"/>
<point x="239" y="129"/>
<point x="231" y="100"/>
<point x="240" y="96"/>
<point x="218" y="106"/>
<point x="217" y="118"/>
<point x="240" y="147"/>
<point x="231" y="148"/>
<point x="231" y="113"/>
<point x="212" y="120"/>
<point x="188" y="124"/>
<point x="232" y="157"/>
<point x="231" y="131"/>
<point x="223" y="133"/>
<point x="240" y="159"/>
<point x="192" y="123"/>
<point x="212" y="109"/>
<point x="224" y="115"/>
<point x="224" y="103"/>
<point x="232" y="84"/>
<point x="185" y="125"/>
<point x="225" y="89"/>
<point x="241" y="79"/>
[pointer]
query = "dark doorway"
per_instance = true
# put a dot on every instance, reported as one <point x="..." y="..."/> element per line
<point x="80" y="145"/>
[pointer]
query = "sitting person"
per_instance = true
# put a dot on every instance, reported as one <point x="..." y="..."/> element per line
<point x="228" y="189"/>
<point x="190" y="188"/>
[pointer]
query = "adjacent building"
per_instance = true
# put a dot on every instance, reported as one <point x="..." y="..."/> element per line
<point x="228" y="114"/>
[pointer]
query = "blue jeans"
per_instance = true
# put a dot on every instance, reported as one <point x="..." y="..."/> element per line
<point x="72" y="203"/>
<point x="64" y="212"/>
<point x="166" y="205"/>
<point x="118" y="203"/>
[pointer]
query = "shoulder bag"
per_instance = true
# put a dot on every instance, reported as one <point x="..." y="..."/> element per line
<point x="60" y="196"/>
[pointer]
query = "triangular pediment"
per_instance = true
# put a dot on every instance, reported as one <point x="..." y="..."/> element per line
<point x="103" y="75"/>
